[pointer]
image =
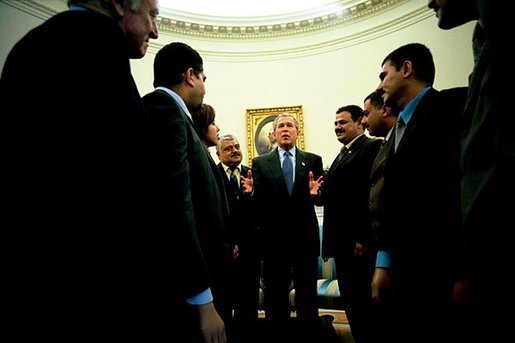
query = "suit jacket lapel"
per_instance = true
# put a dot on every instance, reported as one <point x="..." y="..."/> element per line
<point x="274" y="163"/>
<point x="219" y="180"/>
<point x="420" y="111"/>
<point x="345" y="157"/>
<point x="380" y="159"/>
<point x="348" y="153"/>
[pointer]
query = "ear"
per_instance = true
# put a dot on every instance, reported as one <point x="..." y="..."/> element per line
<point x="407" y="69"/>
<point x="118" y="7"/>
<point x="386" y="111"/>
<point x="188" y="77"/>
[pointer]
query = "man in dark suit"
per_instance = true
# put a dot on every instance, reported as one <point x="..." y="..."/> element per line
<point x="347" y="234"/>
<point x="421" y="197"/>
<point x="286" y="216"/>
<point x="487" y="166"/>
<point x="244" y="236"/>
<point x="187" y="202"/>
<point x="72" y="186"/>
<point x="380" y="120"/>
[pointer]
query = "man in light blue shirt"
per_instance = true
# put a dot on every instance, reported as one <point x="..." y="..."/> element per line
<point x="421" y="198"/>
<point x="187" y="200"/>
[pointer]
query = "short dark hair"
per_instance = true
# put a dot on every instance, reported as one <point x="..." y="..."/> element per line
<point x="420" y="57"/>
<point x="202" y="118"/>
<point x="355" y="111"/>
<point x="172" y="61"/>
<point x="282" y="115"/>
<point x="376" y="98"/>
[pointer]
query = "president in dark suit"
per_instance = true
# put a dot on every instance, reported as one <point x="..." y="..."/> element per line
<point x="187" y="205"/>
<point x="286" y="215"/>
<point x="72" y="234"/>
<point x="347" y="234"/>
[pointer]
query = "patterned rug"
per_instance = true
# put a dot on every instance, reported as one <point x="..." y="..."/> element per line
<point x="339" y="322"/>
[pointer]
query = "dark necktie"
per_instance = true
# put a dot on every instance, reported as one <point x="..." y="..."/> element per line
<point x="380" y="157"/>
<point x="233" y="180"/>
<point x="399" y="131"/>
<point x="342" y="153"/>
<point x="288" y="171"/>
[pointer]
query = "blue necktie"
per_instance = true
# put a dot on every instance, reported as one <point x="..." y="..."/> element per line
<point x="288" y="171"/>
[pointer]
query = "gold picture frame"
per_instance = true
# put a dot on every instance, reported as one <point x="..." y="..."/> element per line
<point x="259" y="124"/>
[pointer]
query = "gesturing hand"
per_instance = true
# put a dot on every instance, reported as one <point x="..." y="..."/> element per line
<point x="315" y="185"/>
<point x="247" y="182"/>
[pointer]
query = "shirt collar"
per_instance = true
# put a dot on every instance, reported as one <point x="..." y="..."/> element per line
<point x="348" y="145"/>
<point x="282" y="151"/>
<point x="78" y="8"/>
<point x="226" y="167"/>
<point x="177" y="98"/>
<point x="407" y="112"/>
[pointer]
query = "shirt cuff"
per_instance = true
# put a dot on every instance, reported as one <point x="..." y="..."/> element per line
<point x="383" y="259"/>
<point x="202" y="298"/>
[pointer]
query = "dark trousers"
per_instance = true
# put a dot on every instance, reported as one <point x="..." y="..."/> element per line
<point x="279" y="270"/>
<point x="246" y="278"/>
<point x="354" y="276"/>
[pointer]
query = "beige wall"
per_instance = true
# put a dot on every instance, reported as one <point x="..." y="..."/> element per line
<point x="320" y="83"/>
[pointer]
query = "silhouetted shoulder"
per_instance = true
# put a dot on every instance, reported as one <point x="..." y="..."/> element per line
<point x="454" y="98"/>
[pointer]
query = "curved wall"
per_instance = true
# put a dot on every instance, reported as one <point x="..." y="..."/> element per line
<point x="319" y="71"/>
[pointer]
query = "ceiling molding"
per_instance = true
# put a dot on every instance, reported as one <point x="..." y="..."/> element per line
<point x="32" y="7"/>
<point x="207" y="27"/>
<point x="303" y="50"/>
<point x="365" y="21"/>
<point x="254" y="13"/>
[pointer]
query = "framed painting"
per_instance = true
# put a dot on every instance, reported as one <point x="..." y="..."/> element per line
<point x="260" y="139"/>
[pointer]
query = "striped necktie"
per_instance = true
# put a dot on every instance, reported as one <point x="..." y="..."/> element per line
<point x="399" y="131"/>
<point x="233" y="180"/>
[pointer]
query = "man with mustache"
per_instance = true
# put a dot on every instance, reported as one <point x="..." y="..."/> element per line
<point x="347" y="231"/>
<point x="243" y="233"/>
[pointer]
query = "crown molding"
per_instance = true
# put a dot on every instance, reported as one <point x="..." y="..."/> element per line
<point x="33" y="8"/>
<point x="190" y="25"/>
<point x="362" y="22"/>
<point x="318" y="44"/>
